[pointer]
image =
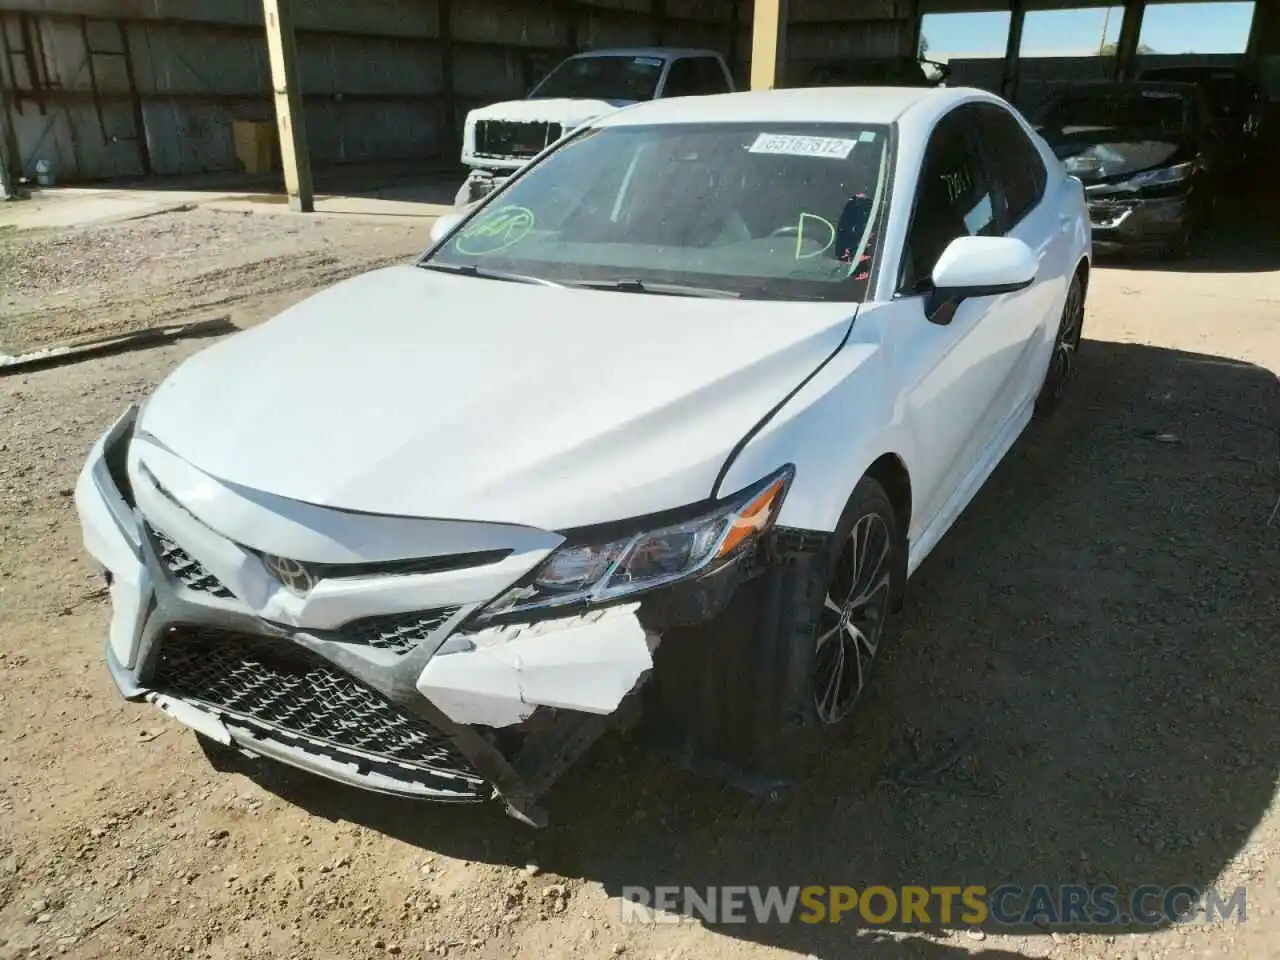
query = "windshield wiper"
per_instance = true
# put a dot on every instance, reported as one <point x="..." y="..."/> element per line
<point x="471" y="270"/>
<point x="632" y="285"/>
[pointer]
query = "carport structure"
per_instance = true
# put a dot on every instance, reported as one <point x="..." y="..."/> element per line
<point x="788" y="33"/>
<point x="120" y="88"/>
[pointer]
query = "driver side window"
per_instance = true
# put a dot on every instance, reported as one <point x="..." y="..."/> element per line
<point x="953" y="199"/>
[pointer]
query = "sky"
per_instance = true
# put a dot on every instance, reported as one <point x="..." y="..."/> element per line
<point x="1206" y="27"/>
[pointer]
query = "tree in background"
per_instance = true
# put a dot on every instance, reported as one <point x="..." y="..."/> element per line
<point x="1109" y="49"/>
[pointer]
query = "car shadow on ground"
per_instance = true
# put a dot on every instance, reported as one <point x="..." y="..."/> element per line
<point x="1084" y="689"/>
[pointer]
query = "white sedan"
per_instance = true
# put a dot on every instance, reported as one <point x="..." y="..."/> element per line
<point x="669" y="420"/>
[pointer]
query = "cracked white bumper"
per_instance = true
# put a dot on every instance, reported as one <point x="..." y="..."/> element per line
<point x="587" y="663"/>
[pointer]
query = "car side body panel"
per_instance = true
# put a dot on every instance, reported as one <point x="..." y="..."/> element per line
<point x="835" y="427"/>
<point x="948" y="400"/>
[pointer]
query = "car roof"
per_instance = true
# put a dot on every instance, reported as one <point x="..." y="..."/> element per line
<point x="666" y="53"/>
<point x="877" y="105"/>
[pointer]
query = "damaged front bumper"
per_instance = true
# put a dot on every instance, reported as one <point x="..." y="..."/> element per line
<point x="280" y="697"/>
<point x="417" y="703"/>
<point x="1139" y="221"/>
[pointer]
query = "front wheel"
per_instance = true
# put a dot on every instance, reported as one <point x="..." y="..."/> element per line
<point x="830" y="618"/>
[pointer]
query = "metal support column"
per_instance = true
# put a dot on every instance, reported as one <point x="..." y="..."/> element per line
<point x="10" y="161"/>
<point x="1013" y="51"/>
<point x="448" y="87"/>
<point x="283" y="50"/>
<point x="768" y="44"/>
<point x="735" y="14"/>
<point x="1127" y="46"/>
<point x="8" y="178"/>
<point x="914" y="30"/>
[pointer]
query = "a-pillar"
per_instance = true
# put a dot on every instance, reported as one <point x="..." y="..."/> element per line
<point x="282" y="47"/>
<point x="768" y="44"/>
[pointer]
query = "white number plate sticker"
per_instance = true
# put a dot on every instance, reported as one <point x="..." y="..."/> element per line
<point x="796" y="146"/>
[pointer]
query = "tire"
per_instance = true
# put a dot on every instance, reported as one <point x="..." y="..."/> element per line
<point x="1066" y="346"/>
<point x="827" y="612"/>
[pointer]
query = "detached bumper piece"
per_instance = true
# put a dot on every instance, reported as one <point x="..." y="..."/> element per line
<point x="284" y="692"/>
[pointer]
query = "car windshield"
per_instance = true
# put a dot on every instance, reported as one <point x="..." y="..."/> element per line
<point x="1109" y="115"/>
<point x="760" y="211"/>
<point x="602" y="78"/>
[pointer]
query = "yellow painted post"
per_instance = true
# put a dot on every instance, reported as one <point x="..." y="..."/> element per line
<point x="282" y="48"/>
<point x="768" y="44"/>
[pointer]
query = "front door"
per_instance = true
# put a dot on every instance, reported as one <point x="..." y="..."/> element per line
<point x="955" y="375"/>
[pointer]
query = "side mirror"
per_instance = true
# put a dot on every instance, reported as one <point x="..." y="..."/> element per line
<point x="978" y="267"/>
<point x="444" y="226"/>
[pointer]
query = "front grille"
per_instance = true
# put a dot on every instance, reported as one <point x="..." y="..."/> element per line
<point x="283" y="687"/>
<point x="401" y="633"/>
<point x="507" y="138"/>
<point x="187" y="569"/>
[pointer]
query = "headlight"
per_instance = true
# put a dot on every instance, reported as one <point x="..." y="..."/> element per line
<point x="1165" y="175"/>
<point x="593" y="573"/>
<point x="1081" y="164"/>
<point x="110" y="475"/>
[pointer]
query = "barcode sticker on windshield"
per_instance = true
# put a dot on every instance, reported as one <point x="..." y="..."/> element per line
<point x="796" y="146"/>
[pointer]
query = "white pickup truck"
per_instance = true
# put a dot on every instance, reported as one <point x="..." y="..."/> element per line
<point x="501" y="138"/>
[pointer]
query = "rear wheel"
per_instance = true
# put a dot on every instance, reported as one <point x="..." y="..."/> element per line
<point x="1066" y="346"/>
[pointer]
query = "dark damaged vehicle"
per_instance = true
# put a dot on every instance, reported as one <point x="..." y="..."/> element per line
<point x="1238" y="105"/>
<point x="1147" y="155"/>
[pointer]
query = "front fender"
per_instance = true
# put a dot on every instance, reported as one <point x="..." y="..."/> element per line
<point x="833" y="429"/>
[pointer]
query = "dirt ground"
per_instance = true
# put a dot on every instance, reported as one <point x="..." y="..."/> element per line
<point x="1095" y="644"/>
<point x="184" y="265"/>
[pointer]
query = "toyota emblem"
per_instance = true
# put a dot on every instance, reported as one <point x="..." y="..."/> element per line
<point x="291" y="573"/>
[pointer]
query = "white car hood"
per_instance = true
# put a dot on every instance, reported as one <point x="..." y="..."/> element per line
<point x="568" y="113"/>
<point x="410" y="392"/>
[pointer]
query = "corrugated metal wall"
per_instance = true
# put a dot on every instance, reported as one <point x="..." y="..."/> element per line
<point x="108" y="88"/>
<point x="838" y="29"/>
